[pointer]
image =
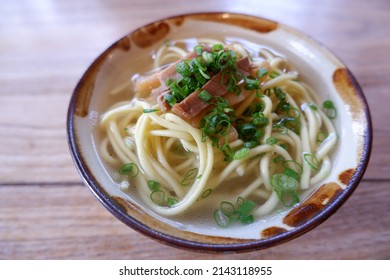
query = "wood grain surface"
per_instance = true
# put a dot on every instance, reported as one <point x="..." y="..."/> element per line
<point x="46" y="212"/>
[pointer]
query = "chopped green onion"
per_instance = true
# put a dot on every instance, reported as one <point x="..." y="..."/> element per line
<point x="241" y="154"/>
<point x="189" y="177"/>
<point x="227" y="212"/>
<point x="321" y="136"/>
<point x="153" y="185"/>
<point x="150" y="110"/>
<point x="294" y="113"/>
<point x="291" y="173"/>
<point x="279" y="93"/>
<point x="312" y="161"/>
<point x="244" y="210"/>
<point x="284" y="146"/>
<point x="217" y="48"/>
<point x="251" y="83"/>
<point x="262" y="72"/>
<point x="198" y="49"/>
<point x="330" y="109"/>
<point x="274" y="74"/>
<point x="278" y="159"/>
<point x="259" y="120"/>
<point x="204" y="95"/>
<point x="313" y="106"/>
<point x="171" y="201"/>
<point x="184" y="68"/>
<point x="206" y="193"/>
<point x="157" y="197"/>
<point x="279" y="128"/>
<point x="170" y="99"/>
<point x="240" y="201"/>
<point x="208" y="57"/>
<point x="129" y="169"/>
<point x="292" y="164"/>
<point x="227" y="208"/>
<point x="285" y="188"/>
<point x="271" y="140"/>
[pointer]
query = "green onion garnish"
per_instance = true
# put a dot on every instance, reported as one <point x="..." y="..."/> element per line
<point x="150" y="110"/>
<point x="285" y="188"/>
<point x="244" y="210"/>
<point x="217" y="48"/>
<point x="280" y="94"/>
<point x="171" y="201"/>
<point x="312" y="161"/>
<point x="261" y="72"/>
<point x="330" y="109"/>
<point x="291" y="173"/>
<point x="313" y="106"/>
<point x="129" y="169"/>
<point x="189" y="177"/>
<point x="227" y="208"/>
<point x="321" y="136"/>
<point x="206" y="193"/>
<point x="241" y="154"/>
<point x="292" y="164"/>
<point x="228" y="212"/>
<point x="251" y="83"/>
<point x="153" y="185"/>
<point x="278" y="159"/>
<point x="274" y="74"/>
<point x="204" y="95"/>
<point x="294" y="113"/>
<point x="271" y="140"/>
<point x="198" y="49"/>
<point x="208" y="57"/>
<point x="157" y="197"/>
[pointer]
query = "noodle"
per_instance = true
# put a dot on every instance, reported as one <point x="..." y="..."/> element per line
<point x="178" y="162"/>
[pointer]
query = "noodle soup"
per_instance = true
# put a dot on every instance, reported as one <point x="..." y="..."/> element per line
<point x="220" y="133"/>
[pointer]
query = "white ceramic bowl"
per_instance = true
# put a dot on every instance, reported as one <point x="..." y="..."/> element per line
<point x="318" y="66"/>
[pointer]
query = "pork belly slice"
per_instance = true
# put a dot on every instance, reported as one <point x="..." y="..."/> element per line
<point x="192" y="105"/>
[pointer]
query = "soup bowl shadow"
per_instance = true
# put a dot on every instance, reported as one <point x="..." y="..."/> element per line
<point x="314" y="62"/>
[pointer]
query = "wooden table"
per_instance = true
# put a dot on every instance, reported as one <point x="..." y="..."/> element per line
<point x="46" y="212"/>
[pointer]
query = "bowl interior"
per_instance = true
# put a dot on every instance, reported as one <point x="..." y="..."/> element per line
<point x="316" y="65"/>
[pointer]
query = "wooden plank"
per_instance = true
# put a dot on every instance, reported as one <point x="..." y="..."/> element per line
<point x="67" y="222"/>
<point x="45" y="211"/>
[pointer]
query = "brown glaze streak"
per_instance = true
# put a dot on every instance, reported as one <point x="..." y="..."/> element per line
<point x="348" y="89"/>
<point x="150" y="34"/>
<point x="346" y="176"/>
<point x="272" y="231"/>
<point x="86" y="85"/>
<point x="313" y="205"/>
<point x="178" y="21"/>
<point x="144" y="218"/>
<point x="254" y="23"/>
<point x="350" y="92"/>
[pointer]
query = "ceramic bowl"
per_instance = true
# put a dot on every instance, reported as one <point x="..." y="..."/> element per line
<point x="326" y="73"/>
